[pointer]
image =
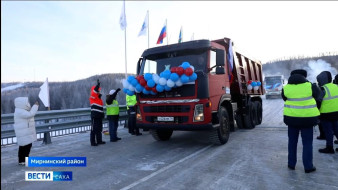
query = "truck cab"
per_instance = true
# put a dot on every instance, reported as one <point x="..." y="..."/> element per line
<point x="212" y="102"/>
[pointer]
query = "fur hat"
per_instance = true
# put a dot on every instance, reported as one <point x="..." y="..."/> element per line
<point x="299" y="71"/>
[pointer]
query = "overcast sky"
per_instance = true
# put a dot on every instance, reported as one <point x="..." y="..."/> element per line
<point x="71" y="40"/>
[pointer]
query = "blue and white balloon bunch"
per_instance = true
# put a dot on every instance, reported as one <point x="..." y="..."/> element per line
<point x="253" y="85"/>
<point x="154" y="83"/>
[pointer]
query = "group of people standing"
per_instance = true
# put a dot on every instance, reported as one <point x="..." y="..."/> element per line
<point x="307" y="105"/>
<point x="113" y="110"/>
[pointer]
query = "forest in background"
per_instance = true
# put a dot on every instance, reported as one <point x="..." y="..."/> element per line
<point x="71" y="95"/>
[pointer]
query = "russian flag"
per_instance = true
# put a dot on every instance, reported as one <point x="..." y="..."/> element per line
<point x="163" y="34"/>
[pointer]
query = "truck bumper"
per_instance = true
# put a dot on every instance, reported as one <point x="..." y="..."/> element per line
<point x="185" y="127"/>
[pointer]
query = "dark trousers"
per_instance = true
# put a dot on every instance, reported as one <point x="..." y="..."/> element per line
<point x="307" y="139"/>
<point x="96" y="131"/>
<point x="113" y="124"/>
<point x="321" y="130"/>
<point x="132" y="121"/>
<point x="24" y="152"/>
<point x="330" y="129"/>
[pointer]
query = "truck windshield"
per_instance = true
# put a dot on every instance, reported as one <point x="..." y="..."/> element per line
<point x="159" y="62"/>
<point x="273" y="80"/>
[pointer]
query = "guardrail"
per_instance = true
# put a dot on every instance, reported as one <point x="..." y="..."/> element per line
<point x="55" y="123"/>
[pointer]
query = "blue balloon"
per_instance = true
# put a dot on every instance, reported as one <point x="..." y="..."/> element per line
<point x="152" y="93"/>
<point x="166" y="74"/>
<point x="134" y="82"/>
<point x="174" y="77"/>
<point x="125" y="90"/>
<point x="130" y="93"/>
<point x="259" y="83"/>
<point x="130" y="78"/>
<point x="145" y="91"/>
<point x="159" y="88"/>
<point x="148" y="76"/>
<point x="185" y="65"/>
<point x="184" y="78"/>
<point x="139" y="87"/>
<point x="167" y="88"/>
<point x="253" y="84"/>
<point x="193" y="77"/>
<point x="151" y="83"/>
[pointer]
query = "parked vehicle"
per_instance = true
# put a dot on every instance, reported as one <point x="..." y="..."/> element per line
<point x="213" y="102"/>
<point x="273" y="86"/>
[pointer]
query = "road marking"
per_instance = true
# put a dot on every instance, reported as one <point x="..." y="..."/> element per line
<point x="164" y="169"/>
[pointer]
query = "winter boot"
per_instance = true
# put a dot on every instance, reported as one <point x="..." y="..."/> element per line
<point x="327" y="150"/>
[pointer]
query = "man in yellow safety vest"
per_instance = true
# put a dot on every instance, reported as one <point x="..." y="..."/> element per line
<point x="113" y="111"/>
<point x="328" y="102"/>
<point x="131" y="107"/>
<point x="300" y="115"/>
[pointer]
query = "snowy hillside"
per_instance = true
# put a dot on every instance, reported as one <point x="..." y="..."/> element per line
<point x="12" y="87"/>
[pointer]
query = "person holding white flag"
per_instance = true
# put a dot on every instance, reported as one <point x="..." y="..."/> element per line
<point x="44" y="94"/>
<point x="24" y="126"/>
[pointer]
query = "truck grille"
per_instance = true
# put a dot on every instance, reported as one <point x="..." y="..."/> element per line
<point x="166" y="109"/>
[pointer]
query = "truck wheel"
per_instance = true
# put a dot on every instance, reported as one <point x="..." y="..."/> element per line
<point x="161" y="134"/>
<point x="222" y="133"/>
<point x="239" y="122"/>
<point x="249" y="118"/>
<point x="259" y="112"/>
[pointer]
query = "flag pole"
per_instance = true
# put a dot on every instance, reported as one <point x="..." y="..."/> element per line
<point x="148" y="27"/>
<point x="166" y="25"/>
<point x="48" y="94"/>
<point x="125" y="39"/>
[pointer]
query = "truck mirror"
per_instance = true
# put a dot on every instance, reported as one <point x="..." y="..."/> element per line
<point x="138" y="66"/>
<point x="220" y="70"/>
<point x="220" y="58"/>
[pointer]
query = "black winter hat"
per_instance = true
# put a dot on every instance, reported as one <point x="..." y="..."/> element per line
<point x="335" y="81"/>
<point x="299" y="71"/>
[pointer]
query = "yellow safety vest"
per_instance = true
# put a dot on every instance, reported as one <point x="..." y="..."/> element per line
<point x="131" y="100"/>
<point x="113" y="109"/>
<point x="300" y="102"/>
<point x="330" y="101"/>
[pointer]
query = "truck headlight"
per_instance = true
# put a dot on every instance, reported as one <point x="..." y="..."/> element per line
<point x="198" y="113"/>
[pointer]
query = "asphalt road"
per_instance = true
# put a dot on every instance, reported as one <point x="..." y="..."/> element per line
<point x="252" y="159"/>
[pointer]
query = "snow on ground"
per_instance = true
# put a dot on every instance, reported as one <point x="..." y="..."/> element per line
<point x="272" y="113"/>
<point x="13" y="87"/>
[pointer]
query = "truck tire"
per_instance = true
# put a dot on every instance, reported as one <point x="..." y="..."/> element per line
<point x="259" y="112"/>
<point x="221" y="134"/>
<point x="249" y="118"/>
<point x="239" y="121"/>
<point x="161" y="134"/>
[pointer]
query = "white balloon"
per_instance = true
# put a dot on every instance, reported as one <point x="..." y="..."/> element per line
<point x="193" y="68"/>
<point x="125" y="83"/>
<point x="249" y="87"/>
<point x="170" y="83"/>
<point x="256" y="87"/>
<point x="179" y="82"/>
<point x="156" y="78"/>
<point x="162" y="81"/>
<point x="131" y="88"/>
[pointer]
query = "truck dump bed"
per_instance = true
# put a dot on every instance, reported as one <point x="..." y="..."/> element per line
<point x="242" y="71"/>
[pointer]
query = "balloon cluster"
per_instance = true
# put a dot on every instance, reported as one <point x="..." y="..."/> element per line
<point x="253" y="85"/>
<point x="154" y="83"/>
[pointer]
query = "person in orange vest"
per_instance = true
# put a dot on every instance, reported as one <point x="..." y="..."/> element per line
<point x="97" y="114"/>
<point x="328" y="109"/>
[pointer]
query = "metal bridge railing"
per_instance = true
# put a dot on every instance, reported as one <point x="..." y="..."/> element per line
<point x="55" y="123"/>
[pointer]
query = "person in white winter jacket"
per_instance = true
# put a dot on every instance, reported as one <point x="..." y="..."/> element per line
<point x="24" y="126"/>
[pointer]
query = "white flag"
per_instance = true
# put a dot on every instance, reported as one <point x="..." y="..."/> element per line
<point x="44" y="93"/>
<point x="144" y="26"/>
<point x="123" y="20"/>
